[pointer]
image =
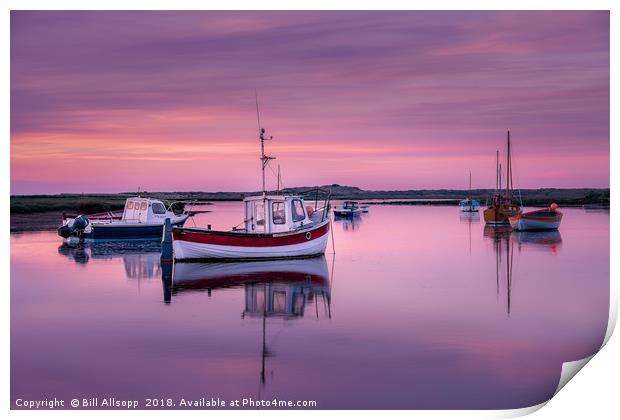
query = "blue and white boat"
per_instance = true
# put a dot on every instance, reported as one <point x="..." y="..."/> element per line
<point x="142" y="218"/>
<point x="468" y="204"/>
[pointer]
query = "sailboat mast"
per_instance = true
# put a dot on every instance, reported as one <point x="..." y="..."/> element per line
<point x="497" y="186"/>
<point x="500" y="176"/>
<point x="508" y="170"/>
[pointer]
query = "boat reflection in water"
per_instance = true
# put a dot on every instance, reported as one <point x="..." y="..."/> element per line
<point x="349" y="224"/>
<point x="504" y="241"/>
<point x="140" y="258"/>
<point x="549" y="240"/>
<point x="282" y="289"/>
<point x="469" y="218"/>
<point x="503" y="249"/>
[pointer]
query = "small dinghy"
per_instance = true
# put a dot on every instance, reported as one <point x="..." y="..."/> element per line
<point x="275" y="227"/>
<point x="142" y="218"/>
<point x="542" y="219"/>
<point x="348" y="209"/>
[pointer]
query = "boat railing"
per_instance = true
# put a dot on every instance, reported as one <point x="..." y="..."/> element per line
<point x="320" y="194"/>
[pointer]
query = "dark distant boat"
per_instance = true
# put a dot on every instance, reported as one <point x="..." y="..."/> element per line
<point x="503" y="205"/>
<point x="468" y="204"/>
<point x="348" y="209"/>
<point x="541" y="219"/>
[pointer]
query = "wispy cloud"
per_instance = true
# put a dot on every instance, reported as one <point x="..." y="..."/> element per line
<point x="352" y="86"/>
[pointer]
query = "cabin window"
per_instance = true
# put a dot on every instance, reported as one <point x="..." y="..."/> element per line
<point x="158" y="208"/>
<point x="277" y="210"/>
<point x="130" y="205"/>
<point x="259" y="214"/>
<point x="143" y="205"/>
<point x="297" y="210"/>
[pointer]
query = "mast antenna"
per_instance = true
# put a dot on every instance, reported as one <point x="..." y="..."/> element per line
<point x="261" y="133"/>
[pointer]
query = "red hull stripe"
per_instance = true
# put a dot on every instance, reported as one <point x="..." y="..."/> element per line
<point x="240" y="279"/>
<point x="240" y="239"/>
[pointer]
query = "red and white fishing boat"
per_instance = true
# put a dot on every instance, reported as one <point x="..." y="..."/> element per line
<point x="275" y="226"/>
<point x="541" y="219"/>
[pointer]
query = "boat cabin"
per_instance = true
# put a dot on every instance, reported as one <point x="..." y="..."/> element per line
<point x="350" y="205"/>
<point x="275" y="213"/>
<point x="145" y="210"/>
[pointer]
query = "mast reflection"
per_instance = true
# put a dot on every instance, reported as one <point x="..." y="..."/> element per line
<point x="503" y="248"/>
<point x="283" y="289"/>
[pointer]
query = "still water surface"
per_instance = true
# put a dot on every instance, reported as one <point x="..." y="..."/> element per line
<point x="420" y="308"/>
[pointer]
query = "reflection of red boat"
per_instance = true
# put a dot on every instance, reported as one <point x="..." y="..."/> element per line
<point x="231" y="274"/>
<point x="272" y="288"/>
<point x="550" y="240"/>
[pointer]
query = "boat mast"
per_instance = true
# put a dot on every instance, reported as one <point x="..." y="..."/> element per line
<point x="469" y="193"/>
<point x="500" y="176"/>
<point x="508" y="170"/>
<point x="497" y="186"/>
<point x="264" y="160"/>
<point x="261" y="134"/>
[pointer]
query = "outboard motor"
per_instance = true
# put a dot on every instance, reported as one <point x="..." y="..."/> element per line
<point x="76" y="225"/>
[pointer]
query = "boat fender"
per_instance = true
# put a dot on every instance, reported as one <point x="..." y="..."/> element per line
<point x="310" y="211"/>
<point x="308" y="235"/>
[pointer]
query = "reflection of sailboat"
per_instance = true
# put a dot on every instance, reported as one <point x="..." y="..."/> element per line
<point x="469" y="217"/>
<point x="273" y="289"/>
<point x="504" y="259"/>
<point x="542" y="240"/>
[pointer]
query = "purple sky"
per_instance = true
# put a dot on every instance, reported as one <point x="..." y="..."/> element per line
<point x="109" y="101"/>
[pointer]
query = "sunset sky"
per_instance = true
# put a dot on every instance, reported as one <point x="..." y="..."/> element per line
<point x="113" y="101"/>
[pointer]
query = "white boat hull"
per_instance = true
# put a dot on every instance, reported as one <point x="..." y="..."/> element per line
<point x="191" y="250"/>
<point x="528" y="224"/>
<point x="192" y="244"/>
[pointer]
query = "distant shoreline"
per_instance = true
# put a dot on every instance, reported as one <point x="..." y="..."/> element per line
<point x="44" y="212"/>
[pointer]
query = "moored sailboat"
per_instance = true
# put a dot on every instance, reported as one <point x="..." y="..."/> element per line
<point x="502" y="206"/>
<point x="468" y="204"/>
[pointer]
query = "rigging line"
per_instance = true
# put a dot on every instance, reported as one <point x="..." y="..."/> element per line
<point x="274" y="173"/>
<point x="257" y="113"/>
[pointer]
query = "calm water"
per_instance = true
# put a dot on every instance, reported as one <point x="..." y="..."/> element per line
<point x="420" y="307"/>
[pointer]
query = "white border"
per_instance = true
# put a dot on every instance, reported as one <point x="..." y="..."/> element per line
<point x="593" y="395"/>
